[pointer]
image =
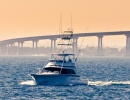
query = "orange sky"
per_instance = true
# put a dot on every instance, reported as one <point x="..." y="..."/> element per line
<point x="20" y="18"/>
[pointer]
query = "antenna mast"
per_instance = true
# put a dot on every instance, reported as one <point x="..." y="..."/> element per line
<point x="71" y="23"/>
<point x="60" y="23"/>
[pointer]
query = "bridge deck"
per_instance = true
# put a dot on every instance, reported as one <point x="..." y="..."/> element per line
<point x="75" y="35"/>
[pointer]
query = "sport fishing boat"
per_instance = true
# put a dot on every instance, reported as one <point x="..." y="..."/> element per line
<point x="60" y="69"/>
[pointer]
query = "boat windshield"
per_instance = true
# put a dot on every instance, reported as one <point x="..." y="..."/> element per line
<point x="62" y="58"/>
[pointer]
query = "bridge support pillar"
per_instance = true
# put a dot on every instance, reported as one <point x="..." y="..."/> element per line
<point x="128" y="45"/>
<point x="20" y="48"/>
<point x="22" y="45"/>
<point x="0" y="49"/>
<point x="35" y="46"/>
<point x="75" y="45"/>
<point x="36" y="51"/>
<point x="100" y="52"/>
<point x="53" y="45"/>
<point x="7" y="49"/>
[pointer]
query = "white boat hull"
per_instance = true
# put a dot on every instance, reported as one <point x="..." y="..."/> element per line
<point x="57" y="79"/>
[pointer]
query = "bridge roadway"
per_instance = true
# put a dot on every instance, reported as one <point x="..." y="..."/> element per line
<point x="75" y="37"/>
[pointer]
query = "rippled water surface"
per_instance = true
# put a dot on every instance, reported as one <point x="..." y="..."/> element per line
<point x="108" y="78"/>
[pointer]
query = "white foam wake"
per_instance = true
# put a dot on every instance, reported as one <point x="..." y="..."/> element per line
<point x="95" y="83"/>
<point x="102" y="83"/>
<point x="30" y="82"/>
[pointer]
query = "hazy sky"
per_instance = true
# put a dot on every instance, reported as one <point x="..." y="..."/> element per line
<point x="20" y="18"/>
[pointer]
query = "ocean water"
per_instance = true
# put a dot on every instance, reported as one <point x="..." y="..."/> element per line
<point x="108" y="79"/>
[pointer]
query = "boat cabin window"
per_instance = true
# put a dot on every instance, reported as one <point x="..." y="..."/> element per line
<point x="67" y="71"/>
<point x="58" y="70"/>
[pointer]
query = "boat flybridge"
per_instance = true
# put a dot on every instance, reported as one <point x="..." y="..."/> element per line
<point x="60" y="69"/>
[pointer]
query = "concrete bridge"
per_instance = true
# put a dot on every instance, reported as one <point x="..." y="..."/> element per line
<point x="20" y="41"/>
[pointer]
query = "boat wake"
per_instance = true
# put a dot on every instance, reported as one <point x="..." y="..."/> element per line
<point x="91" y="83"/>
<point x="29" y="82"/>
<point x="103" y="83"/>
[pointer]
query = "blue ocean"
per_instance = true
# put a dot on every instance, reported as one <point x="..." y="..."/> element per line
<point x="108" y="79"/>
